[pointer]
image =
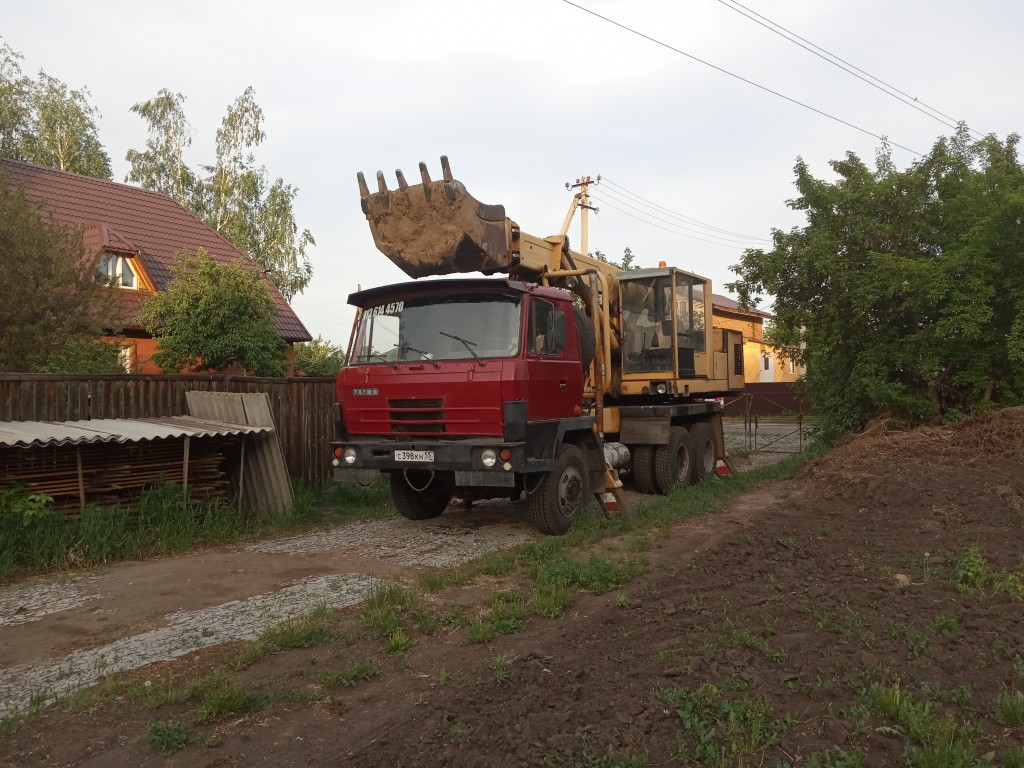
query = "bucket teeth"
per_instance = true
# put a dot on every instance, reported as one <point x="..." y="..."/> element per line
<point x="437" y="227"/>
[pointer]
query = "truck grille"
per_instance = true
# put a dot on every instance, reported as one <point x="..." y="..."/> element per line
<point x="417" y="416"/>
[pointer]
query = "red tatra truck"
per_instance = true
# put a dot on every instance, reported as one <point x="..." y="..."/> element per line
<point x="545" y="381"/>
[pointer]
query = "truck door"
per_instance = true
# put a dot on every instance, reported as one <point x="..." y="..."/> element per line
<point x="555" y="385"/>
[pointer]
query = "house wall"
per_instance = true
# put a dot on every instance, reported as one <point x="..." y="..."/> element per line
<point x="144" y="349"/>
<point x="754" y="347"/>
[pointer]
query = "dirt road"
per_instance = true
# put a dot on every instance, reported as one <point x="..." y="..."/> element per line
<point x="869" y="612"/>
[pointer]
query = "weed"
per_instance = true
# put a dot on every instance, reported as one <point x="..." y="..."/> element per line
<point x="622" y="600"/>
<point x="834" y="757"/>
<point x="502" y="666"/>
<point x="719" y="732"/>
<point x="349" y="676"/>
<point x="916" y="645"/>
<point x="960" y="696"/>
<point x="479" y="630"/>
<point x="438" y="580"/>
<point x="461" y="734"/>
<point x="639" y="544"/>
<point x="222" y="697"/>
<point x="508" y="612"/>
<point x="170" y="736"/>
<point x="786" y="541"/>
<point x="398" y="642"/>
<point x="1008" y="709"/>
<point x="304" y="632"/>
<point x="947" y="622"/>
<point x="443" y="677"/>
<point x="934" y="740"/>
<point x="611" y="758"/>
<point x="971" y="572"/>
<point x="551" y="600"/>
<point x="768" y="624"/>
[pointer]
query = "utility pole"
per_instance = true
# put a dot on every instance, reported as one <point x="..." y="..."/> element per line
<point x="581" y="200"/>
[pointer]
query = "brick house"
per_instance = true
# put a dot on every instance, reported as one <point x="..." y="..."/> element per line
<point x="136" y="235"/>
<point x="762" y="361"/>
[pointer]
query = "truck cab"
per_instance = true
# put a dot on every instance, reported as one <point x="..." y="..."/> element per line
<point x="461" y="387"/>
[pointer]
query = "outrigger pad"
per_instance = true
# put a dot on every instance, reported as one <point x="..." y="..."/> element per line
<point x="436" y="227"/>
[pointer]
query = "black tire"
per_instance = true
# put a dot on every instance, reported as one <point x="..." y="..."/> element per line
<point x="419" y="505"/>
<point x="588" y="341"/>
<point x="673" y="466"/>
<point x="702" y="448"/>
<point x="643" y="468"/>
<point x="561" y="493"/>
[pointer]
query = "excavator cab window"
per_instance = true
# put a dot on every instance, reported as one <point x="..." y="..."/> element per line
<point x="647" y="323"/>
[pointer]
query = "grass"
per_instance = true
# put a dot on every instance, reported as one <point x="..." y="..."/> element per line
<point x="170" y="736"/>
<point x="305" y="632"/>
<point x="164" y="522"/>
<point x="610" y="758"/>
<point x="350" y="676"/>
<point x="224" y="697"/>
<point x="719" y="731"/>
<point x="1008" y="709"/>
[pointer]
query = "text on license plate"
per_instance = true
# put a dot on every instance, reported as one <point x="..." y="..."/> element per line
<point x="414" y="455"/>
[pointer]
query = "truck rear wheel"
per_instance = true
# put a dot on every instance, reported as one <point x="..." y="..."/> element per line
<point x="423" y="504"/>
<point x="643" y="469"/>
<point x="673" y="464"/>
<point x="702" y="446"/>
<point x="561" y="493"/>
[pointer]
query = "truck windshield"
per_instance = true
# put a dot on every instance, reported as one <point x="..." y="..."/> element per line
<point x="439" y="328"/>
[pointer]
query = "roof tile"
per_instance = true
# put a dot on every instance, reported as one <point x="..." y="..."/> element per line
<point x="149" y="221"/>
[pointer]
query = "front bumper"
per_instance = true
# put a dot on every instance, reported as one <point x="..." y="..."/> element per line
<point x="462" y="458"/>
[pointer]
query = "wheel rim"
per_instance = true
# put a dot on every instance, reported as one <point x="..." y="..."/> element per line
<point x="570" y="491"/>
<point x="682" y="465"/>
<point x="708" y="457"/>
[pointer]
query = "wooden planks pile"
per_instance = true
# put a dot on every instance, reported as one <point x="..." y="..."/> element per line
<point x="116" y="473"/>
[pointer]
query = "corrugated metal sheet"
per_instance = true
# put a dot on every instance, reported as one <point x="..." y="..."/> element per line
<point x="26" y="434"/>
<point x="264" y="483"/>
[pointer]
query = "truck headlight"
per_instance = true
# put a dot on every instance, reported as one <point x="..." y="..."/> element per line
<point x="349" y="455"/>
<point x="661" y="388"/>
<point x="489" y="458"/>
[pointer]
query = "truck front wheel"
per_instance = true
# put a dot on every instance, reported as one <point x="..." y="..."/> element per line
<point x="423" y="504"/>
<point x="561" y="493"/>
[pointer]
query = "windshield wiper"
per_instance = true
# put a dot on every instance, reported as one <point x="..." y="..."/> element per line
<point x="426" y="355"/>
<point x="392" y="363"/>
<point x="468" y="344"/>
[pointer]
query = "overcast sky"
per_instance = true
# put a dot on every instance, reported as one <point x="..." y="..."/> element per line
<point x="526" y="95"/>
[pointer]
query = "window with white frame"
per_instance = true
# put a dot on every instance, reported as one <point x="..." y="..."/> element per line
<point x="117" y="268"/>
<point x="792" y="365"/>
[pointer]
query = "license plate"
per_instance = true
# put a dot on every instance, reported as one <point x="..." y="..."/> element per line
<point x="414" y="455"/>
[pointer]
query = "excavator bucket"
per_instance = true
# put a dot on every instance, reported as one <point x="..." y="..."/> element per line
<point x="436" y="227"/>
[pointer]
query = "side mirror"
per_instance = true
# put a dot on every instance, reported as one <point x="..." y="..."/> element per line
<point x="556" y="331"/>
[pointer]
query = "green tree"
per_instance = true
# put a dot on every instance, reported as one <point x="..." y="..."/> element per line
<point x="319" y="358"/>
<point x="904" y="292"/>
<point x="161" y="167"/>
<point x="625" y="263"/>
<point x="234" y="195"/>
<point x="53" y="310"/>
<point x="212" y="316"/>
<point x="46" y="123"/>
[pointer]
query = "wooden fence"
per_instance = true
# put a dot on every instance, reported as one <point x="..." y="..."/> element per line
<point x="767" y="399"/>
<point x="302" y="406"/>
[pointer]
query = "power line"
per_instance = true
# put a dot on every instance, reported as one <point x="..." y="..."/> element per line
<point x="605" y="202"/>
<point x="670" y="212"/>
<point x="725" y="239"/>
<point x="836" y="61"/>
<point x="741" y="78"/>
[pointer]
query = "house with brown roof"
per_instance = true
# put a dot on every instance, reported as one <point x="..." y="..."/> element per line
<point x="762" y="360"/>
<point x="136" y="235"/>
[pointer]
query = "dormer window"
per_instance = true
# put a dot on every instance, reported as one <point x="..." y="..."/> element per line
<point x="117" y="268"/>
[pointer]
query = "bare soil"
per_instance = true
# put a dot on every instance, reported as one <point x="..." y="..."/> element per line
<point x="797" y="599"/>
